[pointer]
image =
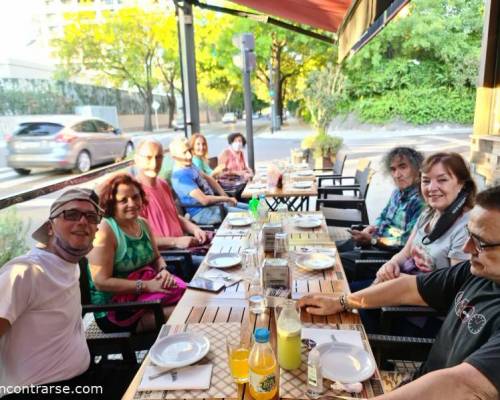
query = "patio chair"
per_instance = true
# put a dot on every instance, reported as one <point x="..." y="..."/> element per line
<point x="124" y="343"/>
<point x="336" y="172"/>
<point x="342" y="210"/>
<point x="340" y="184"/>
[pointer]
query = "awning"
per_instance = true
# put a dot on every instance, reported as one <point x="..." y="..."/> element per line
<point x="355" y="22"/>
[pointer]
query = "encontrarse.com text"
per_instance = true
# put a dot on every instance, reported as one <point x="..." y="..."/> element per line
<point x="49" y="389"/>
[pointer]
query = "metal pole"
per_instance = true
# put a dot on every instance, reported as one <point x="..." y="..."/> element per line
<point x="188" y="62"/>
<point x="248" y="111"/>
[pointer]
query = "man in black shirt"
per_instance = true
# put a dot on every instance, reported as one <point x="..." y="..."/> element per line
<point x="464" y="362"/>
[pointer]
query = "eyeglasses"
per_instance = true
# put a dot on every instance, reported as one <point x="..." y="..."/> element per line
<point x="479" y="245"/>
<point x="76" y="215"/>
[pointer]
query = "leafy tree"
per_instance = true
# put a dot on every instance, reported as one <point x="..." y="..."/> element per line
<point x="121" y="49"/>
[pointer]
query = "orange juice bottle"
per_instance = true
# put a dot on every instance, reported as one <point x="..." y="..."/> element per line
<point x="263" y="372"/>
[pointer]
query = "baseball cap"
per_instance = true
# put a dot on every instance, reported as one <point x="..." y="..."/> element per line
<point x="42" y="233"/>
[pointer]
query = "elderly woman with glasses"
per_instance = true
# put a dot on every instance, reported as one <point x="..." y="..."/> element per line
<point x="125" y="263"/>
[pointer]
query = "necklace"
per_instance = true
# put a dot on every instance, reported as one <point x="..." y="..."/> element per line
<point x="132" y="230"/>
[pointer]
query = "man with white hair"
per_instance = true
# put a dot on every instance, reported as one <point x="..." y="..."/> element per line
<point x="198" y="192"/>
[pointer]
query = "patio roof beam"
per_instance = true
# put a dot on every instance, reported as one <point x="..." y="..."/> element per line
<point x="265" y="19"/>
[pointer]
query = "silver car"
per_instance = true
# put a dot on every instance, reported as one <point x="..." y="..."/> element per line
<point x="65" y="142"/>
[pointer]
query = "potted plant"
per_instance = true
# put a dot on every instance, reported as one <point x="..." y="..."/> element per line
<point x="324" y="90"/>
<point x="321" y="149"/>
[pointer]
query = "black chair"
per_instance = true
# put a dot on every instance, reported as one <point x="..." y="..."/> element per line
<point x="124" y="343"/>
<point x="340" y="183"/>
<point x="342" y="210"/>
<point x="337" y="169"/>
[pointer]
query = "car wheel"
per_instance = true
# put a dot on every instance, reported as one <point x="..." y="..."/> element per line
<point x="83" y="162"/>
<point x="22" y="171"/>
<point x="129" y="148"/>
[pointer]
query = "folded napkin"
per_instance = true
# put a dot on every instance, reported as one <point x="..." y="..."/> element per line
<point x="232" y="232"/>
<point x="194" y="377"/>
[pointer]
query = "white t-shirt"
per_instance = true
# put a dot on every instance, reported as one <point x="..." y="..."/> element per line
<point x="40" y="297"/>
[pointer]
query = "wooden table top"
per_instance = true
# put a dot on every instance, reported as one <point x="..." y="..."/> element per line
<point x="288" y="190"/>
<point x="230" y="305"/>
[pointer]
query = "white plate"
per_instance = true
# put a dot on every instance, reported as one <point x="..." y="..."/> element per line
<point x="315" y="262"/>
<point x="254" y="186"/>
<point x="308" y="222"/>
<point x="224" y="261"/>
<point x="179" y="350"/>
<point x="302" y="185"/>
<point x="240" y="221"/>
<point x="345" y="363"/>
<point x="305" y="173"/>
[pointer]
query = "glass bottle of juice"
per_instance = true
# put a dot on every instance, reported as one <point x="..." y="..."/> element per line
<point x="289" y="330"/>
<point x="263" y="371"/>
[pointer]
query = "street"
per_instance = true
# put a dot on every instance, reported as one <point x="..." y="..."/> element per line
<point x="267" y="147"/>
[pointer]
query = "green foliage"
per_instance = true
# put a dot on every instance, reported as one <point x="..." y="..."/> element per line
<point x="12" y="235"/>
<point x="421" y="68"/>
<point x="322" y="145"/>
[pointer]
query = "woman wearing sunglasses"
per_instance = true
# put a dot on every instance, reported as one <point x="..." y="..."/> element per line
<point x="125" y="263"/>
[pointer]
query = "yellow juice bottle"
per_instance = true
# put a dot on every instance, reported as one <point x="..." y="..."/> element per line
<point x="263" y="381"/>
<point x="289" y="340"/>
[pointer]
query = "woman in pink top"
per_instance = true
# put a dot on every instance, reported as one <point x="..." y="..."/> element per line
<point x="234" y="159"/>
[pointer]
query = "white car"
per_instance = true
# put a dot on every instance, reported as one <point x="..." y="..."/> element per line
<point x="229" y="118"/>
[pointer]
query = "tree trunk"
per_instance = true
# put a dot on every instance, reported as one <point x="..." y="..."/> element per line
<point x="148" y="110"/>
<point x="171" y="103"/>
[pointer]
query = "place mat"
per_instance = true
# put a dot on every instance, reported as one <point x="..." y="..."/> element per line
<point x="293" y="384"/>
<point x="222" y="384"/>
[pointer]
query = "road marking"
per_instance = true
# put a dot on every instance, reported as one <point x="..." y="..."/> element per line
<point x="12" y="183"/>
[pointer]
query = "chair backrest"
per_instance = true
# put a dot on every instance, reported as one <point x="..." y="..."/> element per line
<point x="338" y="166"/>
<point x="213" y="162"/>
<point x="364" y="182"/>
<point x="84" y="281"/>
<point x="361" y="168"/>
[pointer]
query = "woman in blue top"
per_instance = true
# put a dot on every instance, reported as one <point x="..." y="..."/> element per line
<point x="199" y="149"/>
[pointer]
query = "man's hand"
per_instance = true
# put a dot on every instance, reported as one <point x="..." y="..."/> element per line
<point x="390" y="270"/>
<point x="184" y="242"/>
<point x="200" y="235"/>
<point x="320" y="304"/>
<point x="232" y="201"/>
<point x="361" y="237"/>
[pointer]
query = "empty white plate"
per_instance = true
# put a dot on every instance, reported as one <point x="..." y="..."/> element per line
<point x="240" y="221"/>
<point x="345" y="363"/>
<point x="308" y="222"/>
<point x="302" y="185"/>
<point x="179" y="350"/>
<point x="224" y="261"/>
<point x="315" y="261"/>
<point x="305" y="173"/>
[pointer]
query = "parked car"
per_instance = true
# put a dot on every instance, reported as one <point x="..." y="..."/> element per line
<point x="229" y="118"/>
<point x="178" y="124"/>
<point x="65" y="142"/>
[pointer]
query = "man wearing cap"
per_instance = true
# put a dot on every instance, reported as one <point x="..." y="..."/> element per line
<point x="42" y="339"/>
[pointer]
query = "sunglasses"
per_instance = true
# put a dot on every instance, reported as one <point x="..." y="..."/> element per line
<point x="479" y="245"/>
<point x="76" y="215"/>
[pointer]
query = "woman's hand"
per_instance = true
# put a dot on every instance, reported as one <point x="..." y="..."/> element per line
<point x="163" y="281"/>
<point x="200" y="235"/>
<point x="184" y="242"/>
<point x="390" y="270"/>
<point x="319" y="304"/>
<point x="219" y="169"/>
<point x="231" y="200"/>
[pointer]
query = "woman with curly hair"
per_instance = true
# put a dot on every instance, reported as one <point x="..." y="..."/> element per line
<point x="125" y="263"/>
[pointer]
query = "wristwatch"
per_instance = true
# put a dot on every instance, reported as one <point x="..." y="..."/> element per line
<point x="373" y="241"/>
<point x="139" y="286"/>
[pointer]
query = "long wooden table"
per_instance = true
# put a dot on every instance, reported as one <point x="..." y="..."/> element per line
<point x="230" y="305"/>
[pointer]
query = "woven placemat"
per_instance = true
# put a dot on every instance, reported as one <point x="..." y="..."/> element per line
<point x="221" y="384"/>
<point x="293" y="384"/>
<point x="304" y="274"/>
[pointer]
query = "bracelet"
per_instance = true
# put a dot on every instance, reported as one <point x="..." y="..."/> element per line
<point x="344" y="303"/>
<point x="139" y="286"/>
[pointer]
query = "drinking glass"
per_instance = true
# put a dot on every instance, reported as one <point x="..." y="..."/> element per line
<point x="281" y="245"/>
<point x="250" y="262"/>
<point x="237" y="354"/>
<point x="257" y="302"/>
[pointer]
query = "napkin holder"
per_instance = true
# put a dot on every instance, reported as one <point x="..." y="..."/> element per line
<point x="276" y="274"/>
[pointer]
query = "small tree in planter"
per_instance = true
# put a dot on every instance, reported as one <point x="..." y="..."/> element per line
<point x="12" y="235"/>
<point x="324" y="90"/>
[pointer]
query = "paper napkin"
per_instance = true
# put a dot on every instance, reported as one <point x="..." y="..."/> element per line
<point x="194" y="377"/>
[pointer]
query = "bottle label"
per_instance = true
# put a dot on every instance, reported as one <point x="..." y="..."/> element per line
<point x="312" y="376"/>
<point x="262" y="383"/>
